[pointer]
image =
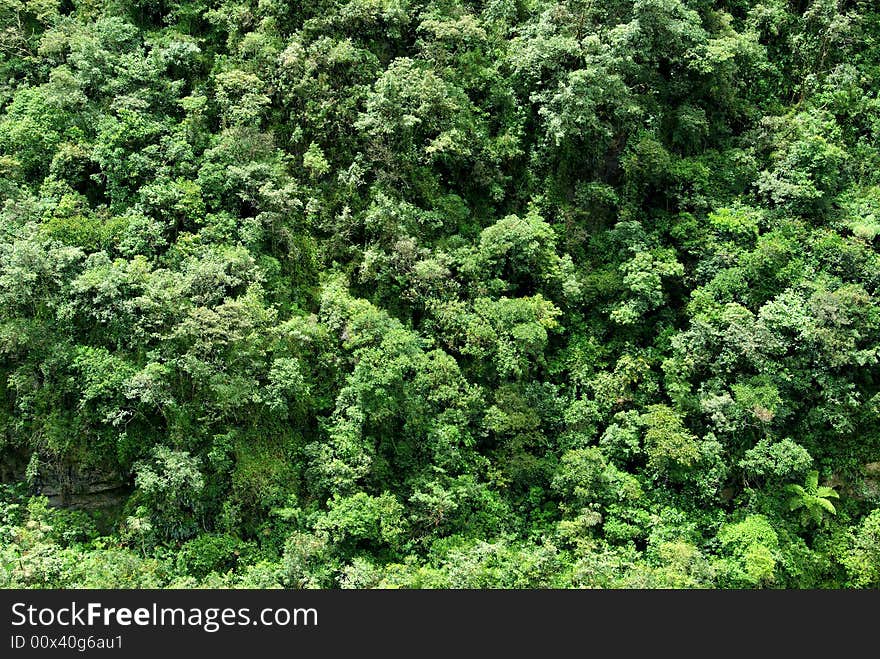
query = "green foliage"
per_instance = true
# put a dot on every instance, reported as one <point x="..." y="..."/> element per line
<point x="752" y="546"/>
<point x="671" y="449"/>
<point x="812" y="499"/>
<point x="777" y="460"/>
<point x="439" y="294"/>
<point x="170" y="485"/>
<point x="210" y="553"/>
<point x="862" y="558"/>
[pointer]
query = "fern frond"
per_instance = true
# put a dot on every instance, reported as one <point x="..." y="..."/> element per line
<point x="827" y="492"/>
<point x="797" y="490"/>
<point x="827" y="505"/>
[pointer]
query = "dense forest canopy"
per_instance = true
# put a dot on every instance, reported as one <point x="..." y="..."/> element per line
<point x="440" y="293"/>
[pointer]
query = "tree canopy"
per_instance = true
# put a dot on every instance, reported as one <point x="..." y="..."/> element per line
<point x="440" y="293"/>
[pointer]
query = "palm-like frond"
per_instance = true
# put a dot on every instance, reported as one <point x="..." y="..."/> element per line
<point x="812" y="498"/>
<point x="826" y="504"/>
<point x="797" y="490"/>
<point x="827" y="493"/>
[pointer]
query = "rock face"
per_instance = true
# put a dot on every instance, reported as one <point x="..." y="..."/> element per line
<point x="12" y="466"/>
<point x="72" y="486"/>
<point x="69" y="485"/>
<point x="872" y="479"/>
